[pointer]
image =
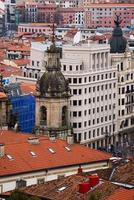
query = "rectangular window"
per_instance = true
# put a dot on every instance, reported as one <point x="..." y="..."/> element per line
<point x="85" y="135"/>
<point x="70" y="67"/>
<point x="64" y="67"/>
<point x="74" y="80"/>
<point x="74" y="125"/>
<point x="79" y="102"/>
<point x="80" y="80"/>
<point x="79" y="91"/>
<point x="74" y="102"/>
<point x="79" y="113"/>
<point x="79" y="125"/>
<point x="74" y="91"/>
<point x="74" y="114"/>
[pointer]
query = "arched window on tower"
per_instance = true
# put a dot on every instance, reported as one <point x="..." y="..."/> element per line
<point x="64" y="116"/>
<point x="43" y="116"/>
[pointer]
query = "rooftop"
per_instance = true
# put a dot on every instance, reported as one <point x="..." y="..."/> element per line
<point x="17" y="146"/>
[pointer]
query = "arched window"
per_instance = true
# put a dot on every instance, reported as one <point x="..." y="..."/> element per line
<point x="122" y="79"/>
<point x="43" y="115"/>
<point x="64" y="116"/>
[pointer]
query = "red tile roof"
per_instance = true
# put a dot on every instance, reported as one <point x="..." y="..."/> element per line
<point x="2" y="95"/>
<point x="122" y="194"/>
<point x="7" y="70"/>
<point x="28" y="88"/>
<point x="17" y="47"/>
<point x="22" y="62"/>
<point x="17" y="146"/>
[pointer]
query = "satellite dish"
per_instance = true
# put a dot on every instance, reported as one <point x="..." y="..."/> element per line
<point x="77" y="38"/>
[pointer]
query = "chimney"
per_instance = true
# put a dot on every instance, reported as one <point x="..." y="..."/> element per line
<point x="52" y="138"/>
<point x="70" y="139"/>
<point x="80" y="170"/>
<point x="2" y="150"/>
<point x="33" y="140"/>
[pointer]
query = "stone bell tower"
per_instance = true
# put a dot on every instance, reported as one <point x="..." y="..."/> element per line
<point x="52" y="95"/>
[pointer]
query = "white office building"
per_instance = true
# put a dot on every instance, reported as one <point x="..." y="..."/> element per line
<point x="93" y="82"/>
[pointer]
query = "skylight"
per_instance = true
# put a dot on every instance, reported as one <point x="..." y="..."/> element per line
<point x="33" y="154"/>
<point x="51" y="150"/>
<point x="61" y="189"/>
<point x="67" y="148"/>
<point x="10" y="157"/>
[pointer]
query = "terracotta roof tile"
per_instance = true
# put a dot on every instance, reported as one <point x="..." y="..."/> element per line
<point x="17" y="146"/>
<point x="7" y="70"/>
<point x="122" y="194"/>
<point x="2" y="95"/>
<point x="21" y="62"/>
<point x="28" y="88"/>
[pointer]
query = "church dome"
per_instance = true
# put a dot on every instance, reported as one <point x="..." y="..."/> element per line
<point x="53" y="84"/>
<point x="117" y="42"/>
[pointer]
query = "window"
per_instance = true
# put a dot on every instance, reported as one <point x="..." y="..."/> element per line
<point x="74" y="80"/>
<point x="32" y="63"/>
<point x="64" y="67"/>
<point x="85" y="79"/>
<point x="105" y="76"/>
<point x="98" y="88"/>
<point x="40" y="181"/>
<point x="94" y="89"/>
<point x="74" y="114"/>
<point x="106" y="86"/>
<point x="89" y="79"/>
<point x="89" y="111"/>
<point x="93" y="99"/>
<point x="93" y="78"/>
<point x="89" y="122"/>
<point x="93" y="121"/>
<point x="79" y="102"/>
<point x="85" y="135"/>
<point x="79" y="113"/>
<point x="85" y="101"/>
<point x="102" y="87"/>
<point x="85" y="124"/>
<point x="89" y="90"/>
<point x="93" y="133"/>
<point x="70" y="67"/>
<point x="79" y="125"/>
<point x="74" y="125"/>
<point x="89" y="134"/>
<point x="80" y="80"/>
<point x="79" y="91"/>
<point x="85" y="90"/>
<point x="74" y="91"/>
<point x="85" y="112"/>
<point x="20" y="183"/>
<point x="74" y="103"/>
<point x="98" y="77"/>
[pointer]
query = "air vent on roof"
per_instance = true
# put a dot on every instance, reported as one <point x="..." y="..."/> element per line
<point x="33" y="140"/>
<point x="2" y="150"/>
<point x="10" y="157"/>
<point x="51" y="150"/>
